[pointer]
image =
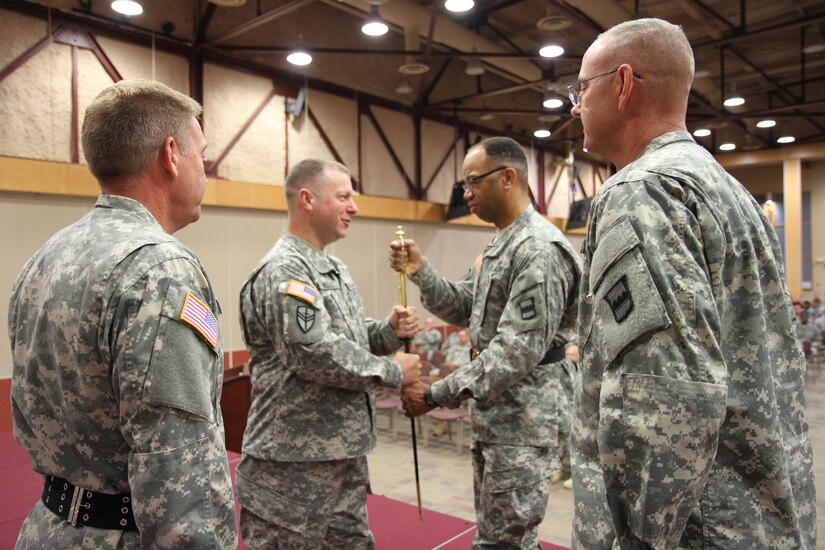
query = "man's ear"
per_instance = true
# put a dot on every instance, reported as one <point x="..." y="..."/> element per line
<point x="626" y="84"/>
<point x="509" y="177"/>
<point x="170" y="156"/>
<point x="305" y="198"/>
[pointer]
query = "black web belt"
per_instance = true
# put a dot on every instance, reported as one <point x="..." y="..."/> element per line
<point x="81" y="507"/>
<point x="553" y="355"/>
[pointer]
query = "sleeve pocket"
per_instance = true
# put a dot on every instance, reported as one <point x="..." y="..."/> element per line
<point x="181" y="371"/>
<point x="670" y="436"/>
<point x="626" y="303"/>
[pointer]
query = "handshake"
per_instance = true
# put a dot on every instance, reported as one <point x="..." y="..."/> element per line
<point x="412" y="389"/>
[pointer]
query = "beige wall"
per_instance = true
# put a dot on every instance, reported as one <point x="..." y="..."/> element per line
<point x="231" y="241"/>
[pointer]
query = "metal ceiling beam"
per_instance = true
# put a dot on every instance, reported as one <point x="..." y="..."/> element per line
<point x="256" y="22"/>
<point x="751" y="34"/>
<point x="368" y="51"/>
<point x="492" y="93"/>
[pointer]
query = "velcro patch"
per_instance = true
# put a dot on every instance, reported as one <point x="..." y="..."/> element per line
<point x="478" y="263"/>
<point x="302" y="291"/>
<point x="619" y="299"/>
<point x="197" y="315"/>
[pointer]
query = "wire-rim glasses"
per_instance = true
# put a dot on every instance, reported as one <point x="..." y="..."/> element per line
<point x="574" y="91"/>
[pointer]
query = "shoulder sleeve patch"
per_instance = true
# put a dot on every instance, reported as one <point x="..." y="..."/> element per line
<point x="302" y="291"/>
<point x="197" y="315"/>
<point x="478" y="263"/>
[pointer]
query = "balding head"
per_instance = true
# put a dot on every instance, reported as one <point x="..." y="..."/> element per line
<point x="657" y="50"/>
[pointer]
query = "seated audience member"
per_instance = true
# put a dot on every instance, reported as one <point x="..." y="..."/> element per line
<point x="457" y="356"/>
<point x="428" y="340"/>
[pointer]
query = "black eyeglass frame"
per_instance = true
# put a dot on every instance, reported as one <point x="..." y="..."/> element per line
<point x="574" y="91"/>
<point x="472" y="182"/>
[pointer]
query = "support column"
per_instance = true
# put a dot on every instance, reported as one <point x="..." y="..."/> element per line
<point x="792" y="193"/>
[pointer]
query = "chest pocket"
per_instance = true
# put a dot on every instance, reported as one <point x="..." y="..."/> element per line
<point x="625" y="302"/>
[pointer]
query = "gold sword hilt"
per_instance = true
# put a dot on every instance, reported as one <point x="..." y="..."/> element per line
<point x="402" y="273"/>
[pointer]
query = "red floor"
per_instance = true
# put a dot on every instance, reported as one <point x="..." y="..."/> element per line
<point x="394" y="524"/>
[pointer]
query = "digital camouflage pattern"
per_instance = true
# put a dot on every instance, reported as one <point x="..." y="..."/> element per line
<point x="691" y="428"/>
<point x="298" y="505"/>
<point x="112" y="391"/>
<point x="565" y="374"/>
<point x="313" y="382"/>
<point x="315" y="366"/>
<point x="518" y="301"/>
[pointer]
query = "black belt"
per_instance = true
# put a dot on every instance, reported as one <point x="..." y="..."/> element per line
<point x="553" y="355"/>
<point x="81" y="507"/>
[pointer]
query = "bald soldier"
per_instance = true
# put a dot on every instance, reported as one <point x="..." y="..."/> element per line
<point x="118" y="362"/>
<point x="691" y="429"/>
<point x="316" y="362"/>
<point x="519" y="301"/>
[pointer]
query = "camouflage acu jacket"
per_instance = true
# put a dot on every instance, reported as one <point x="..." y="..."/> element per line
<point x="691" y="428"/>
<point x="518" y="300"/>
<point x="116" y="388"/>
<point x="315" y="361"/>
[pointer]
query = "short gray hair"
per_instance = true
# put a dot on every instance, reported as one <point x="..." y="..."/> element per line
<point x="307" y="173"/>
<point x="657" y="50"/>
<point x="504" y="150"/>
<point x="128" y="122"/>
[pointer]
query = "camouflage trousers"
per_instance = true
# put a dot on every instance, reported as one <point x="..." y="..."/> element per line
<point x="304" y="505"/>
<point x="511" y="484"/>
<point x="45" y="529"/>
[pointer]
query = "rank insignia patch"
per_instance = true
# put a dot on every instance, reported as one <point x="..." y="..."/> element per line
<point x="305" y="316"/>
<point x="527" y="308"/>
<point x="619" y="300"/>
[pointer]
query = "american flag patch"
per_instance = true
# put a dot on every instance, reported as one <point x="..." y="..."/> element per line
<point x="196" y="314"/>
<point x="302" y="291"/>
<point x="477" y="265"/>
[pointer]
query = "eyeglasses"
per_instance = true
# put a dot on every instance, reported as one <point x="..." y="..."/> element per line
<point x="574" y="91"/>
<point x="472" y="182"/>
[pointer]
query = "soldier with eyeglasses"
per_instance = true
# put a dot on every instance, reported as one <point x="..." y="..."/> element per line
<point x="690" y="427"/>
<point x="519" y="301"/>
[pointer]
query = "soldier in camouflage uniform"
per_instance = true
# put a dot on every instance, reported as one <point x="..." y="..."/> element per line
<point x="691" y="429"/>
<point x="428" y="339"/>
<point x="118" y="363"/>
<point x="519" y="301"/>
<point x="315" y="365"/>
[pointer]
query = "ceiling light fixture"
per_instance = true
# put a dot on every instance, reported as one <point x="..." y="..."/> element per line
<point x="733" y="99"/>
<point x="727" y="147"/>
<point x="701" y="132"/>
<point x="768" y="123"/>
<point x="542" y="133"/>
<point x="373" y="24"/>
<point x="552" y="101"/>
<point x="474" y="66"/>
<point x="816" y="43"/>
<point x="459" y="6"/>
<point x="404" y="86"/>
<point x="127" y="7"/>
<point x="299" y="57"/>
<point x="786" y="139"/>
<point x="551" y="50"/>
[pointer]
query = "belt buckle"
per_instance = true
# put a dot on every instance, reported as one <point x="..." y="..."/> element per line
<point x="74" y="509"/>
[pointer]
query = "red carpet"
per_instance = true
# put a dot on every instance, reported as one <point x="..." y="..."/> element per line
<point x="395" y="524"/>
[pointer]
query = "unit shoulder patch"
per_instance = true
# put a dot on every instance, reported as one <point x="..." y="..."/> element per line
<point x="619" y="299"/>
<point x="302" y="291"/>
<point x="197" y="315"/>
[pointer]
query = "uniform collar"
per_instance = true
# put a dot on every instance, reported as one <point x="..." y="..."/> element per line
<point x="119" y="202"/>
<point x="320" y="260"/>
<point x="503" y="236"/>
<point x="655" y="144"/>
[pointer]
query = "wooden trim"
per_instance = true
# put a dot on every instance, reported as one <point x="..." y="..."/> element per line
<point x="809" y="151"/>
<point x="56" y="178"/>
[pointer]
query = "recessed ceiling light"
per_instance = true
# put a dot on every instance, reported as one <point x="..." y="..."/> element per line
<point x="551" y="50"/>
<point x="459" y="5"/>
<point x="542" y="133"/>
<point x="299" y="58"/>
<point x="786" y="139"/>
<point x="701" y="132"/>
<point x="553" y="103"/>
<point x="766" y="123"/>
<point x="727" y="147"/>
<point x="127" y="7"/>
